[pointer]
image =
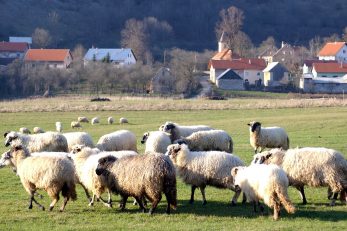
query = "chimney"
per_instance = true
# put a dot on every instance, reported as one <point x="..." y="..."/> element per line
<point x="282" y="45"/>
<point x="249" y="61"/>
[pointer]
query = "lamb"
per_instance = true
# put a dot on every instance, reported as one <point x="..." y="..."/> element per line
<point x="82" y="119"/>
<point x="58" y="126"/>
<point x="217" y="140"/>
<point x="140" y="176"/>
<point x="267" y="137"/>
<point x="200" y="169"/>
<point x="76" y="124"/>
<point x="53" y="174"/>
<point x="310" y="166"/>
<point x="117" y="141"/>
<point x="82" y="138"/>
<point x="110" y="120"/>
<point x="156" y="141"/>
<point x="24" y="130"/>
<point x="123" y="120"/>
<point x="177" y="131"/>
<point x="86" y="161"/>
<point x="49" y="141"/>
<point x="37" y="130"/>
<point x="264" y="182"/>
<point x="95" y="120"/>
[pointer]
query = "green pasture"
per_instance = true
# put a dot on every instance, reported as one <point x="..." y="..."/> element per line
<point x="323" y="126"/>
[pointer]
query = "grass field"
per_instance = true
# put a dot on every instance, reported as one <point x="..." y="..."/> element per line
<point x="307" y="126"/>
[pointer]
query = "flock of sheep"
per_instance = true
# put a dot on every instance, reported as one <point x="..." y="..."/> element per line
<point x="199" y="155"/>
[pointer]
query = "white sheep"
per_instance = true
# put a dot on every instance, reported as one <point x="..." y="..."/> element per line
<point x="58" y="126"/>
<point x="51" y="173"/>
<point x="82" y="119"/>
<point x="200" y="169"/>
<point x="267" y="137"/>
<point x="95" y="120"/>
<point x="49" y="141"/>
<point x="123" y="120"/>
<point x="177" y="131"/>
<point x="86" y="161"/>
<point x="316" y="167"/>
<point x="75" y="124"/>
<point x="117" y="141"/>
<point x="24" y="130"/>
<point x="82" y="138"/>
<point x="37" y="130"/>
<point x="213" y="140"/>
<point x="264" y="182"/>
<point x="110" y="120"/>
<point x="156" y="141"/>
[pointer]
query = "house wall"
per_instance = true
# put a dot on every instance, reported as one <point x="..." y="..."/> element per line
<point x="253" y="75"/>
<point x="326" y="75"/>
<point x="310" y="86"/>
<point x="341" y="56"/>
<point x="267" y="78"/>
<point x="12" y="55"/>
<point x="214" y="73"/>
<point x="230" y="84"/>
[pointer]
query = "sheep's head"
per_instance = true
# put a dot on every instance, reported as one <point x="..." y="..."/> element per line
<point x="174" y="149"/>
<point x="103" y="164"/>
<point x="254" y="126"/>
<point x="235" y="173"/>
<point x="6" y="159"/>
<point x="144" y="137"/>
<point x="77" y="148"/>
<point x="273" y="156"/>
<point x="168" y="127"/>
<point x="182" y="140"/>
<point x="9" y="137"/>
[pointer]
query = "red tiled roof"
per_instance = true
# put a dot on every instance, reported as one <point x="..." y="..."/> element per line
<point x="330" y="67"/>
<point x="12" y="46"/>
<point x="331" y="49"/>
<point x="239" y="64"/>
<point x="47" y="55"/>
<point x="225" y="54"/>
<point x="310" y="62"/>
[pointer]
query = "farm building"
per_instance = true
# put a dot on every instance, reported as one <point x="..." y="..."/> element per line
<point x="119" y="57"/>
<point x="163" y="82"/>
<point x="275" y="74"/>
<point x="334" y="51"/>
<point x="53" y="58"/>
<point x="28" y="40"/>
<point x="229" y="80"/>
<point x="10" y="51"/>
<point x="311" y="84"/>
<point x="329" y="70"/>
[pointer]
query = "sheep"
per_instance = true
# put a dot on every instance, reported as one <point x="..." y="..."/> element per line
<point x="86" y="161"/>
<point x="123" y="120"/>
<point x="58" y="126"/>
<point x="310" y="166"/>
<point x="49" y="141"/>
<point x="156" y="141"/>
<point x="177" y="131"/>
<point x="76" y="124"/>
<point x="267" y="137"/>
<point x="140" y="176"/>
<point x="117" y="141"/>
<point x="200" y="169"/>
<point x="51" y="173"/>
<point x="110" y="120"/>
<point x="24" y="130"/>
<point x="217" y="140"/>
<point x="264" y="182"/>
<point x="74" y="138"/>
<point x="95" y="120"/>
<point x="37" y="130"/>
<point x="82" y="119"/>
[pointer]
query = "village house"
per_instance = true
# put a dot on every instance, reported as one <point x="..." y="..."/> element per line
<point x="119" y="57"/>
<point x="308" y="64"/>
<point x="329" y="70"/>
<point x="10" y="51"/>
<point x="268" y="54"/>
<point x="163" y="82"/>
<point x="230" y="80"/>
<point x="287" y="55"/>
<point x="28" y="40"/>
<point x="53" y="58"/>
<point x="310" y="84"/>
<point x="334" y="51"/>
<point x="275" y="74"/>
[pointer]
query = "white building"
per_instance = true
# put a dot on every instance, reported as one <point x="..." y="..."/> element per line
<point x="334" y="51"/>
<point x="119" y="57"/>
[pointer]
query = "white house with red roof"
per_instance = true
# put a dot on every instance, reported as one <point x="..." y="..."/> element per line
<point x="10" y="51"/>
<point x="334" y="51"/>
<point x="53" y="58"/>
<point x="329" y="70"/>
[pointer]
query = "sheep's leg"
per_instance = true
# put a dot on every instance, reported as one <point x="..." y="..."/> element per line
<point x="123" y="202"/>
<point x="154" y="205"/>
<point x="332" y="202"/>
<point x="104" y="201"/>
<point x="202" y="189"/>
<point x="51" y="206"/>
<point x="91" y="203"/>
<point x="39" y="195"/>
<point x="235" y="197"/>
<point x="244" y="198"/>
<point x="109" y="197"/>
<point x="276" y="211"/>
<point x="32" y="199"/>
<point x="330" y="193"/>
<point x="192" y="194"/>
<point x="302" y="194"/>
<point x="255" y="205"/>
<point x="64" y="204"/>
<point x="139" y="202"/>
<point x="87" y="193"/>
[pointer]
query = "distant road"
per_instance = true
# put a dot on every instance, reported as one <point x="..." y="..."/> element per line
<point x="206" y="87"/>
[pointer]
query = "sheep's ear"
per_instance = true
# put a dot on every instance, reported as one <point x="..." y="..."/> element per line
<point x="17" y="148"/>
<point x="180" y="141"/>
<point x="249" y="124"/>
<point x="170" y="126"/>
<point x="268" y="156"/>
<point x="111" y="159"/>
<point x="5" y="134"/>
<point x="234" y="171"/>
<point x="177" y="149"/>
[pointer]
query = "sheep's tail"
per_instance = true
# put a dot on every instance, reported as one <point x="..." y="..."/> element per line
<point x="69" y="190"/>
<point x="287" y="142"/>
<point x="284" y="199"/>
<point x="231" y="146"/>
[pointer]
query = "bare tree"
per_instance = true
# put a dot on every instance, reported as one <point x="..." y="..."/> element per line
<point x="41" y="38"/>
<point x="315" y="45"/>
<point x="243" y="45"/>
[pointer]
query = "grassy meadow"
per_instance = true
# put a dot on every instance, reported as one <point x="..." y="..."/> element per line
<point x="320" y="125"/>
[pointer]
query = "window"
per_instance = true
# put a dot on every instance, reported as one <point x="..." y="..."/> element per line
<point x="258" y="73"/>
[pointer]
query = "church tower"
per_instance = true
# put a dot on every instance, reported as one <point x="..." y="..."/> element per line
<point x="221" y="43"/>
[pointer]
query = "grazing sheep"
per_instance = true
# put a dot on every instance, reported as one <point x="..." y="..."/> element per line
<point x="177" y="131"/>
<point x="267" y="137"/>
<point x="86" y="161"/>
<point x="200" y="169"/>
<point x="49" y="141"/>
<point x="140" y="176"/>
<point x="24" y="130"/>
<point x="37" y="130"/>
<point x="75" y="124"/>
<point x="314" y="167"/>
<point x="82" y="119"/>
<point x="59" y="126"/>
<point x="51" y="173"/>
<point x="117" y="141"/>
<point x="213" y="140"/>
<point x="156" y="141"/>
<point x="110" y="120"/>
<point x="82" y="138"/>
<point x="264" y="182"/>
<point x="123" y="120"/>
<point x="95" y="120"/>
